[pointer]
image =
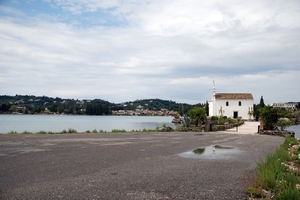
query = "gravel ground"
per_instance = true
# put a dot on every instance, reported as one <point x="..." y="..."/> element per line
<point x="128" y="165"/>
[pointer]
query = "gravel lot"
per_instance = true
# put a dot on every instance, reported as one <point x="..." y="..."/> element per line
<point x="128" y="165"/>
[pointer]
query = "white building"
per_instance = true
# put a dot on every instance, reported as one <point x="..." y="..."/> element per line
<point x="285" y="105"/>
<point x="231" y="104"/>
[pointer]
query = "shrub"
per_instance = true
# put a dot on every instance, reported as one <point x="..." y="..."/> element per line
<point x="118" y="131"/>
<point x="95" y="131"/>
<point x="186" y="121"/>
<point x="26" y="132"/>
<point x="12" y="132"/>
<point x="283" y="123"/>
<point x="71" y="130"/>
<point x="64" y="131"/>
<point x="41" y="132"/>
<point x="214" y="118"/>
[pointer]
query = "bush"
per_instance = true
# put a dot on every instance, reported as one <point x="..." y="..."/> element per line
<point x="41" y="132"/>
<point x="283" y="123"/>
<point x="26" y="133"/>
<point x="118" y="131"/>
<point x="71" y="130"/>
<point x="94" y="131"/>
<point x="214" y="118"/>
<point x="12" y="132"/>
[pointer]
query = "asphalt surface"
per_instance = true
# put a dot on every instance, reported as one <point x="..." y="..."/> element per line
<point x="129" y="165"/>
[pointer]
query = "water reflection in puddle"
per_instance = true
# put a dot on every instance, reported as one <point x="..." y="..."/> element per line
<point x="211" y="152"/>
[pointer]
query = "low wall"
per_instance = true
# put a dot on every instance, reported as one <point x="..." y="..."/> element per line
<point x="278" y="133"/>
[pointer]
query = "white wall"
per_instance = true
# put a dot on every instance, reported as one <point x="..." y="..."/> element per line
<point x="233" y="106"/>
<point x="210" y="106"/>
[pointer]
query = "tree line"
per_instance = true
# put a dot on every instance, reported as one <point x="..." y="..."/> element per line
<point x="29" y="104"/>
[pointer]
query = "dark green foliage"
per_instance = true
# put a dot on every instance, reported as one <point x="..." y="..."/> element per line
<point x="198" y="115"/>
<point x="261" y="102"/>
<point x="282" y="123"/>
<point x="199" y="151"/>
<point x="37" y="104"/>
<point x="214" y="118"/>
<point x="270" y="116"/>
<point x="207" y="108"/>
<point x="97" y="109"/>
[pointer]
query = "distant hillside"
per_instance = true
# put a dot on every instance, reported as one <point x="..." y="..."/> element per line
<point x="29" y="104"/>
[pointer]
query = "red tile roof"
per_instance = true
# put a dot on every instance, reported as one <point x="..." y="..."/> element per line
<point x="234" y="96"/>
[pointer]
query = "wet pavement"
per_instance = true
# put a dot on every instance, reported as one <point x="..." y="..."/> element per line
<point x="130" y="165"/>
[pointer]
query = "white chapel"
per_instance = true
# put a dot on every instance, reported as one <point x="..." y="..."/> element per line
<point x="231" y="104"/>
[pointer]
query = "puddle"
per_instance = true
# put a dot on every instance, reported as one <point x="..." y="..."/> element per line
<point x="211" y="152"/>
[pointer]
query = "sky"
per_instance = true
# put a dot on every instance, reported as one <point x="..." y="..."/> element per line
<point x="124" y="50"/>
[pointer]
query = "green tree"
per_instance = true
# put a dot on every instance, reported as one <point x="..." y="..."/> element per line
<point x="283" y="123"/>
<point x="13" y="108"/>
<point x="198" y="115"/>
<point x="207" y="108"/>
<point x="269" y="116"/>
<point x="257" y="108"/>
<point x="261" y="102"/>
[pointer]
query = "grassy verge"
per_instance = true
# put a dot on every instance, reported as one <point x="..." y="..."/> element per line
<point x="278" y="176"/>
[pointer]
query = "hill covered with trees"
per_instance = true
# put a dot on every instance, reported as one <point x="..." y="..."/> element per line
<point x="29" y="104"/>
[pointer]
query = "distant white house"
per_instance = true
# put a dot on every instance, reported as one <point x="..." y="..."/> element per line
<point x="231" y="104"/>
<point x="285" y="105"/>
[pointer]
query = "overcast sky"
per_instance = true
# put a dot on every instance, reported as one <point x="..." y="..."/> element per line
<point x="123" y="50"/>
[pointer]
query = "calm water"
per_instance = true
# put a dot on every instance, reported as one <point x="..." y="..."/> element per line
<point x="57" y="123"/>
<point x="296" y="129"/>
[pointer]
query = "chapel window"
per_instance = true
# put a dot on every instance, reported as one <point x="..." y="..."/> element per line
<point x="240" y="103"/>
<point x="227" y="103"/>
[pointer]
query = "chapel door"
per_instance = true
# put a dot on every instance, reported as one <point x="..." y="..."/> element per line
<point x="235" y="114"/>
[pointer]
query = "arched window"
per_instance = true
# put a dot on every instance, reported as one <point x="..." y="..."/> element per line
<point x="240" y="103"/>
<point x="227" y="103"/>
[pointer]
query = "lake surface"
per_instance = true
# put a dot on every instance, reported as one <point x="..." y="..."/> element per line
<point x="57" y="123"/>
<point x="296" y="129"/>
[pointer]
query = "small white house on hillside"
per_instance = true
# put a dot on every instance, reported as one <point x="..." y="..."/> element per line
<point x="231" y="104"/>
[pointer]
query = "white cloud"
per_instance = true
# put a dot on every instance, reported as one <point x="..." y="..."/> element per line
<point x="169" y="50"/>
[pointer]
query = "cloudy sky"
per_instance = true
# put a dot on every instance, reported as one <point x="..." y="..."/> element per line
<point x="123" y="50"/>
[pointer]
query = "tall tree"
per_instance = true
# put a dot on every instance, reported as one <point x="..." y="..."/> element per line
<point x="261" y="102"/>
<point x="207" y="108"/>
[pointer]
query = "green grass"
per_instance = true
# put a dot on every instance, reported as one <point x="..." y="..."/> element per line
<point x="288" y="193"/>
<point x="273" y="176"/>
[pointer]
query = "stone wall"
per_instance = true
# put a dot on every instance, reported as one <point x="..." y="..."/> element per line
<point x="278" y="133"/>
